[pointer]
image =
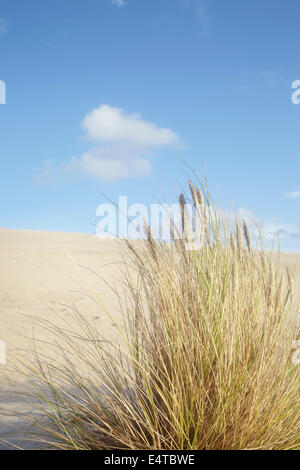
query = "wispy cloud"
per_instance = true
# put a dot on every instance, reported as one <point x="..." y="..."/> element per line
<point x="293" y="195"/>
<point x="119" y="3"/>
<point x="202" y="15"/>
<point x="47" y="176"/>
<point x="270" y="228"/>
<point x="275" y="228"/>
<point x="123" y="144"/>
<point x="3" y="26"/>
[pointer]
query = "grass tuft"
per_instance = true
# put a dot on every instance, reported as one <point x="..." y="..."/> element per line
<point x="205" y="357"/>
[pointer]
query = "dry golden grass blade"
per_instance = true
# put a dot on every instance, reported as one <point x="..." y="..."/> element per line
<point x="247" y="237"/>
<point x="239" y="238"/>
<point x="290" y="282"/>
<point x="182" y="203"/>
<point x="194" y="195"/>
<point x="232" y="243"/>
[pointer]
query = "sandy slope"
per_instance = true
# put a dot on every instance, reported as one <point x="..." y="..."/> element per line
<point x="42" y="274"/>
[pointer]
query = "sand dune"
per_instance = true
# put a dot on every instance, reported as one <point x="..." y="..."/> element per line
<point x="42" y="274"/>
<point x="46" y="275"/>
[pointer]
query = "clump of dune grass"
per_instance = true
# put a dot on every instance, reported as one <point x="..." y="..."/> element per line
<point x="205" y="355"/>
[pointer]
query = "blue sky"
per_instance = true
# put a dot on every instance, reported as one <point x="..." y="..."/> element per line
<point x="112" y="96"/>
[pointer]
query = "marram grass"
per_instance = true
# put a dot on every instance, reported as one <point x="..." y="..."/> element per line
<point x="206" y="356"/>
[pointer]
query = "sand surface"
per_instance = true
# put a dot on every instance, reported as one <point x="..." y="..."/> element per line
<point x="46" y="275"/>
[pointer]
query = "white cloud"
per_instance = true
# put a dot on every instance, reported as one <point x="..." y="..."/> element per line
<point x="111" y="162"/>
<point x="119" y="3"/>
<point x="109" y="170"/>
<point x="293" y="195"/>
<point x="3" y="26"/>
<point x="111" y="124"/>
<point x="124" y="144"/>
